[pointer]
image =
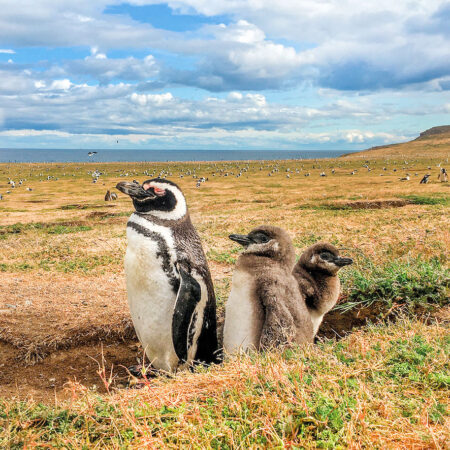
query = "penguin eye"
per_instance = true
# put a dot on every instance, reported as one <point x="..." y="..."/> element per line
<point x="326" y="256"/>
<point x="159" y="191"/>
<point x="260" y="238"/>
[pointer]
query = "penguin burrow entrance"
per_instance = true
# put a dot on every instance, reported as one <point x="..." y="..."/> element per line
<point x="59" y="327"/>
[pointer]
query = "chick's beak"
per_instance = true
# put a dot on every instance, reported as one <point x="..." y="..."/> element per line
<point x="341" y="262"/>
<point x="242" y="239"/>
<point x="134" y="190"/>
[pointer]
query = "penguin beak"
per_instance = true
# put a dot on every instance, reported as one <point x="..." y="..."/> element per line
<point x="242" y="239"/>
<point x="135" y="190"/>
<point x="341" y="262"/>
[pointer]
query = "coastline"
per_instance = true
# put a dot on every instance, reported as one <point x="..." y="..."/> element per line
<point x="60" y="156"/>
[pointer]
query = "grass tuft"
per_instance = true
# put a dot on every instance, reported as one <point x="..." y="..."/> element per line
<point x="427" y="200"/>
<point x="414" y="283"/>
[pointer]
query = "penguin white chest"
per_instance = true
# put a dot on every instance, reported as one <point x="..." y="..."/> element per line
<point x="243" y="316"/>
<point x="151" y="296"/>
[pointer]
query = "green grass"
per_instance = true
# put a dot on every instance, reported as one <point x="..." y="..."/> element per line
<point x="80" y="264"/>
<point x="224" y="257"/>
<point x="18" y="228"/>
<point x="373" y="388"/>
<point x="413" y="283"/>
<point x="427" y="200"/>
<point x="63" y="229"/>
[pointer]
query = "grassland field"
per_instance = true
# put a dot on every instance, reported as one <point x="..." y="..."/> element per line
<point x="377" y="378"/>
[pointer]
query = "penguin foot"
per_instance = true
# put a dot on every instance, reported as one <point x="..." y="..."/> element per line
<point x="141" y="371"/>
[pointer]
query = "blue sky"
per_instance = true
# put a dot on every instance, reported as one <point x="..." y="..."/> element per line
<point x="304" y="74"/>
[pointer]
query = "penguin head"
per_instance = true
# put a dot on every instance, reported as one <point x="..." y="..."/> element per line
<point x="323" y="257"/>
<point x="157" y="196"/>
<point x="269" y="241"/>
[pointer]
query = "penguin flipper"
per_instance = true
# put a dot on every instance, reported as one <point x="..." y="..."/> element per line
<point x="189" y="295"/>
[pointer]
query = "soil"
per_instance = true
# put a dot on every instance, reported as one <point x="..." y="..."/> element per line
<point x="49" y="380"/>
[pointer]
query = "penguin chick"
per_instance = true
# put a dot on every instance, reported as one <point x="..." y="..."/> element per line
<point x="265" y="307"/>
<point x="316" y="273"/>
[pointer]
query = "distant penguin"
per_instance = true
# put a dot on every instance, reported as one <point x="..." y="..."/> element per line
<point x="425" y="178"/>
<point x="316" y="273"/>
<point x="265" y="307"/>
<point x="170" y="291"/>
<point x="108" y="196"/>
<point x="443" y="176"/>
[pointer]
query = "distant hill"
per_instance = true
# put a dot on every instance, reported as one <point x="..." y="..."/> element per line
<point x="443" y="129"/>
<point x="433" y="143"/>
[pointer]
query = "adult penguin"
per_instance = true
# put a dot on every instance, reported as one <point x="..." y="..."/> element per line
<point x="170" y="291"/>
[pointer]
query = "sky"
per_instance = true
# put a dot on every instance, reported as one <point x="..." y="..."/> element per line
<point x="222" y="74"/>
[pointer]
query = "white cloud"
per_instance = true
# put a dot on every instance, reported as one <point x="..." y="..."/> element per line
<point x="27" y="133"/>
<point x="235" y="96"/>
<point x="241" y="31"/>
<point x="335" y="43"/>
<point x="262" y="49"/>
<point x="155" y="99"/>
<point x="99" y="66"/>
<point x="6" y="50"/>
<point x="63" y="85"/>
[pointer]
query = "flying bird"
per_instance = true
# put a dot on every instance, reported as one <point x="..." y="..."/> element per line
<point x="91" y="153"/>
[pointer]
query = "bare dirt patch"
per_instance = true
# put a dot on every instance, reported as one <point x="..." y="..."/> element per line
<point x="48" y="380"/>
<point x="337" y="323"/>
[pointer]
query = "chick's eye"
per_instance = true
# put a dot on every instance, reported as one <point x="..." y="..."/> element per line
<point x="326" y="256"/>
<point x="261" y="238"/>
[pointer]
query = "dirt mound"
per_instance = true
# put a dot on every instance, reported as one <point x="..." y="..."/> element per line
<point x="338" y="323"/>
<point x="103" y="214"/>
<point x="372" y="204"/>
<point x="85" y="206"/>
<point x="42" y="313"/>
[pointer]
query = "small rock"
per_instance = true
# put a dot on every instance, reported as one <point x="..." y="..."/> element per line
<point x="11" y="306"/>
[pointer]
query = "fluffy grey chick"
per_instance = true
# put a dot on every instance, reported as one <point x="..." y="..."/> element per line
<point x="316" y="273"/>
<point x="265" y="307"/>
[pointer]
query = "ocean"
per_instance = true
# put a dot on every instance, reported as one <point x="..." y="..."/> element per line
<point x="64" y="155"/>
